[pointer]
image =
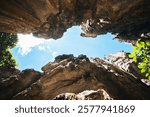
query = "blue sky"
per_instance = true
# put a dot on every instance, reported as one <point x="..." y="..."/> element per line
<point x="32" y="52"/>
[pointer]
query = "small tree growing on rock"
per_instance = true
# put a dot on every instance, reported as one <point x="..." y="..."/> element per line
<point x="7" y="41"/>
<point x="141" y="55"/>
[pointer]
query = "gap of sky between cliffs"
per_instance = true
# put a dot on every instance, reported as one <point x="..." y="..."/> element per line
<point x="32" y="52"/>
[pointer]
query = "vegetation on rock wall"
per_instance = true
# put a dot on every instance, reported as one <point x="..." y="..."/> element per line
<point x="141" y="55"/>
<point x="7" y="41"/>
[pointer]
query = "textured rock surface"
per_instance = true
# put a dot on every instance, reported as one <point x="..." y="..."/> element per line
<point x="100" y="94"/>
<point x="122" y="60"/>
<point x="73" y="75"/>
<point x="16" y="82"/>
<point x="51" y="18"/>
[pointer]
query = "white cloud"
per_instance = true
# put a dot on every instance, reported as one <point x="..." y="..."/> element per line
<point x="42" y="48"/>
<point x="27" y="42"/>
<point x="54" y="54"/>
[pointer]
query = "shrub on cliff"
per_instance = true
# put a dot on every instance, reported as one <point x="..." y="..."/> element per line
<point x="141" y="55"/>
<point x="7" y="41"/>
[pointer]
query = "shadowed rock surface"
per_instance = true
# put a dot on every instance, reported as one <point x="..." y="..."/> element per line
<point x="75" y="75"/>
<point x="128" y="19"/>
<point x="12" y="82"/>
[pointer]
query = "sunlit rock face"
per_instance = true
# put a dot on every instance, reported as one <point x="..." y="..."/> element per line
<point x="100" y="94"/>
<point x="70" y="77"/>
<point x="128" y="19"/>
<point x="125" y="63"/>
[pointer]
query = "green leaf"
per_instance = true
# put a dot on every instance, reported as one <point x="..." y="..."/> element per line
<point x="147" y="74"/>
<point x="140" y="66"/>
<point x="143" y="71"/>
<point x="135" y="59"/>
<point x="131" y="55"/>
<point x="149" y="77"/>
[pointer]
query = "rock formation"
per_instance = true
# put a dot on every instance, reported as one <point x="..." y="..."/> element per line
<point x="124" y="63"/>
<point x="128" y="19"/>
<point x="100" y="94"/>
<point x="70" y="77"/>
<point x="12" y="82"/>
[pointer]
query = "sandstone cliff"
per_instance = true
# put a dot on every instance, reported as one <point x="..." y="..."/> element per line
<point x="128" y="19"/>
<point x="70" y="77"/>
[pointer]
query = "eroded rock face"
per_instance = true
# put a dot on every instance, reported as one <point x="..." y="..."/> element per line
<point x="100" y="94"/>
<point x="125" y="63"/>
<point x="16" y="82"/>
<point x="51" y="18"/>
<point x="79" y="78"/>
<point x="122" y="60"/>
<point x="68" y="76"/>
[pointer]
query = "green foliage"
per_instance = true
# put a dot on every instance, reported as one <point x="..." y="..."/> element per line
<point x="7" y="41"/>
<point x="141" y="55"/>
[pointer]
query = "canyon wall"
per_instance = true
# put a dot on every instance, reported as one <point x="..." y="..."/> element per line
<point x="70" y="77"/>
<point x="128" y="19"/>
